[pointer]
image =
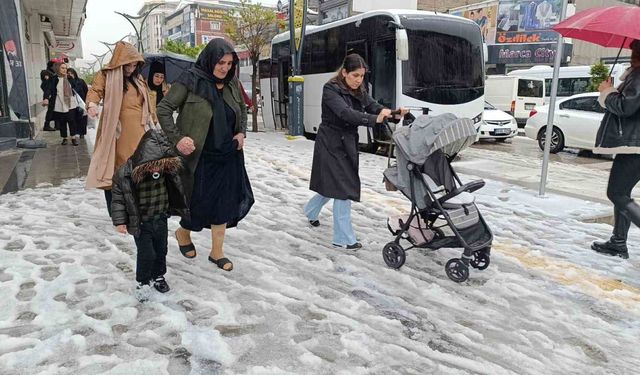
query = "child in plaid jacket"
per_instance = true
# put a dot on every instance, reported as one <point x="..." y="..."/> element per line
<point x="147" y="190"/>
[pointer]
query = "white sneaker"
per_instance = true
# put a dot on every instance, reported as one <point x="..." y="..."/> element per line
<point x="142" y="292"/>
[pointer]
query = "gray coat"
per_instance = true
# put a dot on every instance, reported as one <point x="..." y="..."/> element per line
<point x="334" y="173"/>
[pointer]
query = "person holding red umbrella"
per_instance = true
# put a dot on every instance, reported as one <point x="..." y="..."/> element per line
<point x="619" y="134"/>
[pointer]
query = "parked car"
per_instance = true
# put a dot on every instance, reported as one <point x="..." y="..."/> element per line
<point x="575" y="124"/>
<point x="497" y="124"/>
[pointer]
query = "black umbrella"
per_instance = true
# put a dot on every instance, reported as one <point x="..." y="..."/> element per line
<point x="174" y="64"/>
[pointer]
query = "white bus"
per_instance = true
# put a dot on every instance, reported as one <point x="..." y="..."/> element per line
<point x="572" y="80"/>
<point x="444" y="71"/>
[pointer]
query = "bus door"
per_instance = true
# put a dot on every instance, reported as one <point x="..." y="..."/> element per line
<point x="281" y="92"/>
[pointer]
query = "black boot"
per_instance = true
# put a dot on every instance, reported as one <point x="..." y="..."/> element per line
<point x="617" y="244"/>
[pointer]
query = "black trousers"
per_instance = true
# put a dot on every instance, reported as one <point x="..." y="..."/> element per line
<point x="81" y="123"/>
<point x="152" y="250"/>
<point x="66" y="119"/>
<point x="625" y="174"/>
<point x="108" y="197"/>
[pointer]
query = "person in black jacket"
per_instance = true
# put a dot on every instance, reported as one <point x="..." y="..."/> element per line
<point x="147" y="189"/>
<point x="334" y="174"/>
<point x="45" y="76"/>
<point x="79" y="86"/>
<point x="619" y="134"/>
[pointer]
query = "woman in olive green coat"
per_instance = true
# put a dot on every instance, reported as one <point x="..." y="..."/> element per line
<point x="210" y="132"/>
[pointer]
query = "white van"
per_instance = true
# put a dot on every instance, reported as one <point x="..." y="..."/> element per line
<point x="573" y="80"/>
<point x="514" y="95"/>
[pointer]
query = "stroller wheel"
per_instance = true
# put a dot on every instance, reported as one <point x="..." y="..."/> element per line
<point x="457" y="270"/>
<point x="393" y="255"/>
<point x="481" y="260"/>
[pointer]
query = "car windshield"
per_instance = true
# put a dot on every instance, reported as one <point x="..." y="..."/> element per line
<point x="487" y="105"/>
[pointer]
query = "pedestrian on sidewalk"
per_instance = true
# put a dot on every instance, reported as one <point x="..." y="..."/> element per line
<point x="619" y="134"/>
<point x="210" y="131"/>
<point x="128" y="111"/>
<point x="147" y="190"/>
<point x="45" y="76"/>
<point x="346" y="105"/>
<point x="60" y="99"/>
<point x="157" y="81"/>
<point x="80" y="87"/>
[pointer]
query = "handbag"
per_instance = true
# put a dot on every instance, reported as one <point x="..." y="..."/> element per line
<point x="82" y="106"/>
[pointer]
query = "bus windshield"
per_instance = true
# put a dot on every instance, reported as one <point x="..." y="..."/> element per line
<point x="445" y="63"/>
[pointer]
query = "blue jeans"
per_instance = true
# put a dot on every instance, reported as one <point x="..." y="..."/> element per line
<point x="343" y="233"/>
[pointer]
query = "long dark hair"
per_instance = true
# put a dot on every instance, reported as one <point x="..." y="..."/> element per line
<point x="635" y="50"/>
<point x="350" y="63"/>
<point x="131" y="78"/>
<point x="72" y="71"/>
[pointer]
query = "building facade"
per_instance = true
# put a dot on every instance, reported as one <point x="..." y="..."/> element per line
<point x="152" y="29"/>
<point x="46" y="32"/>
<point x="588" y="53"/>
<point x="334" y="10"/>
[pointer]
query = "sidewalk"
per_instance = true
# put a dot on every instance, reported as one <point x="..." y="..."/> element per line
<point x="50" y="166"/>
<point x="296" y="304"/>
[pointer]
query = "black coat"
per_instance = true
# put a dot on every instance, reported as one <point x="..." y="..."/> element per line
<point x="154" y="148"/>
<point x="50" y="90"/>
<point x="334" y="173"/>
<point x="80" y="86"/>
<point x="620" y="125"/>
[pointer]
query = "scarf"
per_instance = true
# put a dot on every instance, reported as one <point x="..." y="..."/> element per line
<point x="200" y="81"/>
<point x="156" y="67"/>
<point x="103" y="161"/>
<point x="67" y="92"/>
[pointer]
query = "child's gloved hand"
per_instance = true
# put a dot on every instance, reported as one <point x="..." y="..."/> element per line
<point x="122" y="228"/>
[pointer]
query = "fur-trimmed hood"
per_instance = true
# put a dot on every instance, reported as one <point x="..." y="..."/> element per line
<point x="154" y="153"/>
<point x="171" y="166"/>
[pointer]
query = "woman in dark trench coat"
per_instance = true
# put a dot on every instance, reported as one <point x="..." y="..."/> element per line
<point x="346" y="105"/>
<point x="210" y="132"/>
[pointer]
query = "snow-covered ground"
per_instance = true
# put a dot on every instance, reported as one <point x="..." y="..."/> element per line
<point x="296" y="305"/>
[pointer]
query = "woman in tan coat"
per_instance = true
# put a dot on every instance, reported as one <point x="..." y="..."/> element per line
<point x="127" y="110"/>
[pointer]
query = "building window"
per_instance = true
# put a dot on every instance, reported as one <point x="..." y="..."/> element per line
<point x="214" y="25"/>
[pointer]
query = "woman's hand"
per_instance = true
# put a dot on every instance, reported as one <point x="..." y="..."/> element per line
<point x="240" y="138"/>
<point x="384" y="114"/>
<point x="605" y="85"/>
<point x="122" y="228"/>
<point x="403" y="111"/>
<point x="92" y="111"/>
<point x="45" y="102"/>
<point x="186" y="146"/>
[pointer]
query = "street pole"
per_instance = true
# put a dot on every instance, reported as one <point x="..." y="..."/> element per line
<point x="296" y="81"/>
<point x="552" y="106"/>
<point x="143" y="17"/>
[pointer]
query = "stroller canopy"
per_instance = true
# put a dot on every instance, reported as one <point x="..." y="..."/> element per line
<point x="427" y="134"/>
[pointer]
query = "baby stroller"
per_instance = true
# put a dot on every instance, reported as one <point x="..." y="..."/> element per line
<point x="443" y="212"/>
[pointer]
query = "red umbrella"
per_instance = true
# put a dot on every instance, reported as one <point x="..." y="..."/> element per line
<point x="614" y="26"/>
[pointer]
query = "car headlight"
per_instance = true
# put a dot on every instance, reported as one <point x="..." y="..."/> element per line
<point x="513" y="121"/>
<point x="478" y="118"/>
